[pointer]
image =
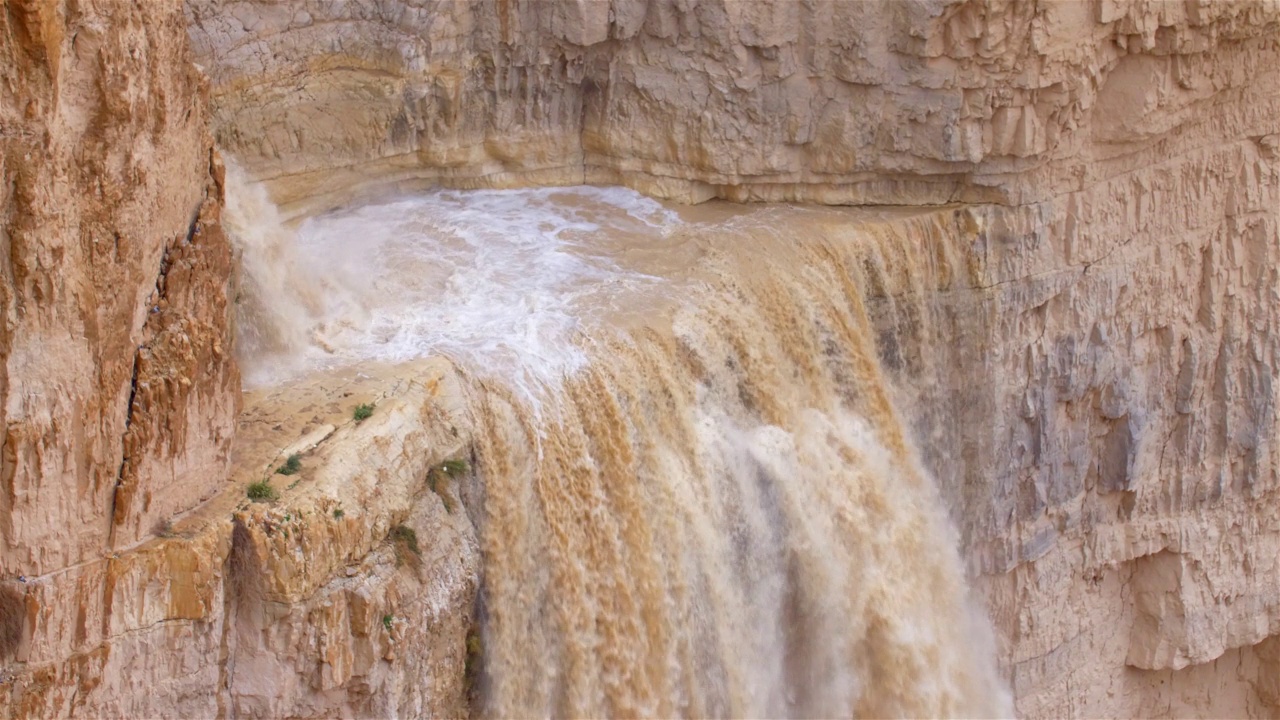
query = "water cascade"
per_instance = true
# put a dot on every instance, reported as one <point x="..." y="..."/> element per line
<point x="699" y="496"/>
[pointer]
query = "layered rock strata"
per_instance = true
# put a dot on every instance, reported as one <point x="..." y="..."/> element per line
<point x="1100" y="411"/>
<point x="925" y="101"/>
<point x="1118" y="346"/>
<point x="321" y="603"/>
<point x="118" y="386"/>
<point x="1094" y="393"/>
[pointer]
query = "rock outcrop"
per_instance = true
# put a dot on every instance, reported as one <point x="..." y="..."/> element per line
<point x="131" y="579"/>
<point x="354" y="594"/>
<point x="1100" y="411"/>
<point x="321" y="604"/>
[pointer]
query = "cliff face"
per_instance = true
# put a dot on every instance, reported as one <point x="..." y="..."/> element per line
<point x="1095" y="391"/>
<point x="118" y="389"/>
<point x="1100" y="409"/>
<point x="850" y="102"/>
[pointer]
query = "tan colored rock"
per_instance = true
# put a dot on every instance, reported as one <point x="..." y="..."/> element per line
<point x="837" y="102"/>
<point x="328" y="613"/>
<point x="119" y="387"/>
<point x="1116" y="338"/>
<point x="1101" y="413"/>
<point x="277" y="609"/>
<point x="1086" y="350"/>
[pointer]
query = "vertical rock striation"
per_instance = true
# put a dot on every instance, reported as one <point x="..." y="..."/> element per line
<point x="118" y="388"/>
<point x="1093" y="384"/>
<point x="1118" y="344"/>
<point x="918" y="101"/>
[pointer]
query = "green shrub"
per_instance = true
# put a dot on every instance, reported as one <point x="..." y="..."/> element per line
<point x="454" y="467"/>
<point x="338" y="513"/>
<point x="405" y="535"/>
<point x="262" y="491"/>
<point x="291" y="466"/>
<point x="387" y="620"/>
<point x="363" y="412"/>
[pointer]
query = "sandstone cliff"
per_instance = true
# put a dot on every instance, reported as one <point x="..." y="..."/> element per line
<point x="1118" y="512"/>
<point x="1095" y="392"/>
<point x="924" y="101"/>
<point x="1118" y="501"/>
<point x="117" y="384"/>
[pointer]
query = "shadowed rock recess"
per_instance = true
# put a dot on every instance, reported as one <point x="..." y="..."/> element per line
<point x="1006" y="447"/>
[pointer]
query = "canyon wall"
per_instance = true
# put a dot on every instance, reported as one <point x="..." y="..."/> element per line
<point x="1095" y="394"/>
<point x="132" y="582"/>
<point x="1101" y="408"/>
<point x="922" y="101"/>
<point x="119" y="383"/>
<point x="118" y="388"/>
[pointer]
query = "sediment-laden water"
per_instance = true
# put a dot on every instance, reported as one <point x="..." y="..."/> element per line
<point x="699" y="497"/>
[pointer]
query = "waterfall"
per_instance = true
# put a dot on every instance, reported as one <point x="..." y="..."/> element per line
<point x="277" y="305"/>
<point x="699" y="495"/>
<point x="726" y="518"/>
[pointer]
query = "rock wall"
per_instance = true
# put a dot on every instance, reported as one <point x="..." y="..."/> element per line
<point x="354" y="594"/>
<point x="1099" y="406"/>
<point x="1146" y="459"/>
<point x="1119" y="515"/>
<point x="1121" y="161"/>
<point x="132" y="581"/>
<point x="913" y="101"/>
<point x="317" y="605"/>
<point x="116" y="341"/>
<point x="118" y="388"/>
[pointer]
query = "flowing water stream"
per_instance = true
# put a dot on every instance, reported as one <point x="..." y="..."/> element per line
<point x="700" y="498"/>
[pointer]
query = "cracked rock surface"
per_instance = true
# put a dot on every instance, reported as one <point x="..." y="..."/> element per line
<point x="1095" y="392"/>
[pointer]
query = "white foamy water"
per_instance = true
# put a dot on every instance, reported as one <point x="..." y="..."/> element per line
<point x="496" y="279"/>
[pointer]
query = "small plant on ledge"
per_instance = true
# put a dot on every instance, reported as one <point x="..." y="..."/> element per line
<point x="363" y="412"/>
<point x="405" y="534"/>
<point x="262" y="491"/>
<point x="291" y="466"/>
<point x="338" y="513"/>
<point x="405" y="542"/>
<point x="453" y="468"/>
